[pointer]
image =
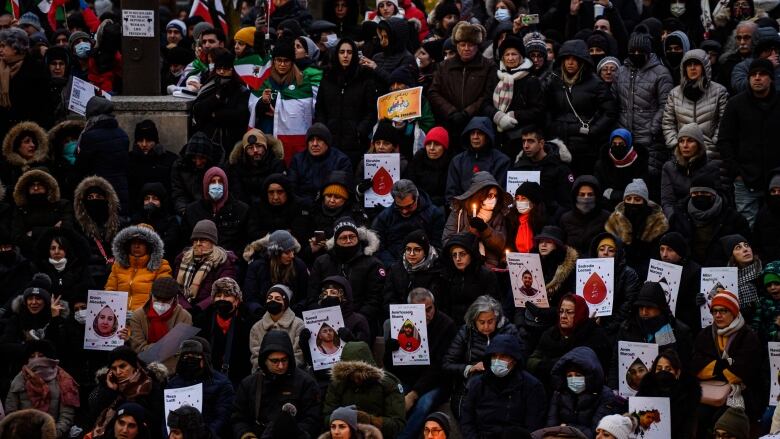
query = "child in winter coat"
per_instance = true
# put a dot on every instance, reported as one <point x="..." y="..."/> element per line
<point x="765" y="320"/>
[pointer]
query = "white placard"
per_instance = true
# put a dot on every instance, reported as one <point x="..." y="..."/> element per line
<point x="654" y="416"/>
<point x="634" y="360"/>
<point x="81" y="92"/>
<point x="770" y="436"/>
<point x="596" y="284"/>
<point x="774" y="372"/>
<point x="408" y="326"/>
<point x="668" y="276"/>
<point x="525" y="273"/>
<point x="324" y="343"/>
<point x="712" y="280"/>
<point x="137" y="23"/>
<point x="515" y="178"/>
<point x="383" y="170"/>
<point x="175" y="398"/>
<point x="106" y="315"/>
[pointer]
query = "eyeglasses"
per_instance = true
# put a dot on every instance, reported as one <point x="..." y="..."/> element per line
<point x="535" y="55"/>
<point x="407" y="208"/>
<point x="432" y="431"/>
<point x="719" y="311"/>
<point x="278" y="360"/>
<point x="413" y="250"/>
<point x="347" y="238"/>
<point x="564" y="312"/>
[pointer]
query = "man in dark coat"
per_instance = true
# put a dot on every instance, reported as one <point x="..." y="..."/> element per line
<point x="464" y="281"/>
<point x="505" y="395"/>
<point x="586" y="218"/>
<point x="198" y="155"/>
<point x="149" y="161"/>
<point x="250" y="162"/>
<point x="291" y="403"/>
<point x="480" y="154"/>
<point x="277" y="209"/>
<point x="154" y="208"/>
<point x="673" y="249"/>
<point x="767" y="225"/>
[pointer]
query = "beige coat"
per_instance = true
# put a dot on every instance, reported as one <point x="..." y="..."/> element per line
<point x="289" y="323"/>
<point x="139" y="329"/>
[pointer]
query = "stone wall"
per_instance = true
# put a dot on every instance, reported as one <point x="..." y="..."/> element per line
<point x="169" y="113"/>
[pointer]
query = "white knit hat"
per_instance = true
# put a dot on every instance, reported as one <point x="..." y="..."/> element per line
<point x="617" y="425"/>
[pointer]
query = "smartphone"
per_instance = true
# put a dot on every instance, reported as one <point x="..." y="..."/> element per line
<point x="530" y="19"/>
<point x="319" y="236"/>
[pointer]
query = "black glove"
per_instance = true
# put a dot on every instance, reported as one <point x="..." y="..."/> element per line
<point x="478" y="224"/>
<point x="392" y="345"/>
<point x="345" y="335"/>
<point x="700" y="299"/>
<point x="305" y="334"/>
<point x="365" y="185"/>
<point x="303" y="341"/>
<point x="458" y="118"/>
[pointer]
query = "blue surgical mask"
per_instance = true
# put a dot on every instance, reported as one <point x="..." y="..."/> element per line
<point x="502" y="14"/>
<point x="331" y="40"/>
<point x="576" y="384"/>
<point x="216" y="191"/>
<point x="69" y="151"/>
<point x="82" y="49"/>
<point x="500" y="368"/>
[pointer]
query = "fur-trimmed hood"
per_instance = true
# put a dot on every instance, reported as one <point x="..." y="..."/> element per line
<point x="368" y="430"/>
<point x="360" y="370"/>
<point x="154" y="243"/>
<point x="274" y="145"/>
<point x="556" y="147"/>
<point x="157" y="371"/>
<point x="563" y="271"/>
<point x="24" y="182"/>
<point x="618" y="224"/>
<point x="18" y="302"/>
<point x="57" y="135"/>
<point x="41" y="142"/>
<point x="23" y="422"/>
<point x="261" y="245"/>
<point x="91" y="230"/>
<point x="368" y="239"/>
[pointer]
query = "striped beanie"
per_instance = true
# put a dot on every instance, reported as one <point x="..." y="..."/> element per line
<point x="727" y="300"/>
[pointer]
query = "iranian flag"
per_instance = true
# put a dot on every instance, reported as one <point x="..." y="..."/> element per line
<point x="210" y="11"/>
<point x="12" y="6"/>
<point x="253" y="70"/>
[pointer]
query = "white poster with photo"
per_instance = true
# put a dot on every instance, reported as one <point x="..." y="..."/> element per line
<point x="654" y="416"/>
<point x="668" y="276"/>
<point x="324" y="343"/>
<point x="525" y="273"/>
<point x="634" y="361"/>
<point x="596" y="284"/>
<point x="714" y="279"/>
<point x="515" y="178"/>
<point x="774" y="372"/>
<point x="106" y="315"/>
<point x="383" y="170"/>
<point x="175" y="398"/>
<point x="408" y="326"/>
<point x="81" y="92"/>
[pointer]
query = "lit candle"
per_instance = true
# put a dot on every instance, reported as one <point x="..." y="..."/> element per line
<point x="474" y="209"/>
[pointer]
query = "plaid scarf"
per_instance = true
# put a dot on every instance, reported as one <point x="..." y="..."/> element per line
<point x="748" y="292"/>
<point x="139" y="384"/>
<point x="502" y="95"/>
<point x="193" y="270"/>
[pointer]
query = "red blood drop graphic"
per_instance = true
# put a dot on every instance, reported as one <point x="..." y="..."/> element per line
<point x="382" y="182"/>
<point x="595" y="290"/>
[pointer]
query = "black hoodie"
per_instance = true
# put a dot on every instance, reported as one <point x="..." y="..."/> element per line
<point x="461" y="288"/>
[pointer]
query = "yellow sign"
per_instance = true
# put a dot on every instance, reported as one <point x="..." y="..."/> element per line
<point x="400" y="105"/>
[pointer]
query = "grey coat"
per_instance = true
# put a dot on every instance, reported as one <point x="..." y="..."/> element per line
<point x="17" y="399"/>
<point x="641" y="95"/>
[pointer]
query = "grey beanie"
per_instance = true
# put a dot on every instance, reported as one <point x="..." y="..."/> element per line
<point x="199" y="28"/>
<point x="637" y="187"/>
<point x="692" y="130"/>
<point x="78" y="35"/>
<point x="608" y="60"/>
<point x="103" y="6"/>
<point x="347" y="414"/>
<point x="30" y="19"/>
<point x="281" y="241"/>
<point x="205" y="229"/>
<point x="774" y="181"/>
<point x="284" y="290"/>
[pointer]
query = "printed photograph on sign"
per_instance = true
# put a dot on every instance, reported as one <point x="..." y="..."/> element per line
<point x="714" y="279"/>
<point x="634" y="361"/>
<point x="668" y="276"/>
<point x="383" y="170"/>
<point x="527" y="279"/>
<point x="515" y="178"/>
<point x="400" y="105"/>
<point x="774" y="372"/>
<point x="408" y="326"/>
<point x="324" y="344"/>
<point x="595" y="283"/>
<point x="106" y="315"/>
<point x="175" y="398"/>
<point x="652" y="416"/>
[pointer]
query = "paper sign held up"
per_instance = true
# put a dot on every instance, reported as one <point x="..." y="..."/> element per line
<point x="400" y="105"/>
<point x="714" y="279"/>
<point x="383" y="170"/>
<point x="525" y="274"/>
<point x="408" y="326"/>
<point x="324" y="343"/>
<point x="595" y="283"/>
<point x="106" y="315"/>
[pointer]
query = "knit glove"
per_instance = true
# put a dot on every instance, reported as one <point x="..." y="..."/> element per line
<point x="504" y="121"/>
<point x="700" y="299"/>
<point x="478" y="224"/>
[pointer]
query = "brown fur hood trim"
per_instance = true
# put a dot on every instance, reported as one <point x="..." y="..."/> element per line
<point x="2" y="191"/>
<point x="121" y="244"/>
<point x="84" y="220"/>
<point x="156" y="370"/>
<point x="345" y="370"/>
<point x="29" y="423"/>
<point x="68" y="127"/>
<point x="467" y="32"/>
<point x="656" y="224"/>
<point x="563" y="271"/>
<point x="24" y="182"/>
<point x="368" y="430"/>
<point x="274" y="145"/>
<point x="41" y="140"/>
<point x="368" y="238"/>
<point x="261" y="245"/>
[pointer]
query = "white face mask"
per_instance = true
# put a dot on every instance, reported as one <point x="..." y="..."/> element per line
<point x="500" y="368"/>
<point x="489" y="203"/>
<point x="80" y="316"/>
<point x="502" y="14"/>
<point x="523" y="206"/>
<point x="576" y="384"/>
<point x="59" y="265"/>
<point x="331" y="40"/>
<point x="160" y="307"/>
<point x="677" y="9"/>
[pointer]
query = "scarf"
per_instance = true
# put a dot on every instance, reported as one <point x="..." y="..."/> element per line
<point x="8" y="69"/>
<point x="158" y="324"/>
<point x="570" y="81"/>
<point x="729" y="330"/>
<point x="38" y="373"/>
<point x="293" y="76"/>
<point x="224" y="324"/>
<point x="524" y="241"/>
<point x="423" y="265"/>
<point x="502" y="94"/>
<point x="193" y="270"/>
<point x="628" y="160"/>
<point x="706" y="14"/>
<point x="130" y="390"/>
<point x="748" y="292"/>
<point x="703" y="217"/>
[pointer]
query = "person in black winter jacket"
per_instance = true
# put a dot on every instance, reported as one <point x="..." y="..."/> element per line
<point x="587" y="217"/>
<point x="464" y="360"/>
<point x="581" y="110"/>
<point x="767" y="225"/>
<point x="428" y="167"/>
<point x="620" y="162"/>
<point x="581" y="397"/>
<point x="393" y="38"/>
<point x="25" y="147"/>
<point x="627" y="281"/>
<point x="673" y="249"/>
<point x="505" y="396"/>
<point x="198" y="155"/>
<point x="337" y="291"/>
<point x="15" y="270"/>
<point x="103" y="148"/>
<point x="62" y="255"/>
<point x="282" y="383"/>
<point x="419" y="267"/>
<point x="149" y="161"/>
<point x="558" y="262"/>
<point x="346" y="100"/>
<point x="465" y="277"/>
<point x="251" y="162"/>
<point x="667" y="379"/>
<point x="278" y="209"/>
<point x="154" y="208"/>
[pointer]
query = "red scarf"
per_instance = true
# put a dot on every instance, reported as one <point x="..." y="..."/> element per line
<point x="524" y="241"/>
<point x="158" y="324"/>
<point x="224" y="324"/>
<point x="625" y="161"/>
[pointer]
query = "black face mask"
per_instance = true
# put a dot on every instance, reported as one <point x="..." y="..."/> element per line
<point x="774" y="203"/>
<point x="638" y="60"/>
<point x="635" y="212"/>
<point x="597" y="58"/>
<point x="692" y="92"/>
<point x="189" y="368"/>
<point x="97" y="210"/>
<point x="674" y="58"/>
<point x="273" y="307"/>
<point x="619" y="151"/>
<point x="665" y="379"/>
<point x="345" y="253"/>
<point x="703" y="202"/>
<point x="151" y="209"/>
<point x="653" y="324"/>
<point x="223" y="81"/>
<point x="7" y="258"/>
<point x="37" y="199"/>
<point x="330" y="301"/>
<point x="224" y="308"/>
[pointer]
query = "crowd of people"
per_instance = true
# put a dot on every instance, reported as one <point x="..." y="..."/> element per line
<point x="650" y="127"/>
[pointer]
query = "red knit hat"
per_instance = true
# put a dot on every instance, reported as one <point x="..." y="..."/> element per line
<point x="438" y="135"/>
<point x="727" y="300"/>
